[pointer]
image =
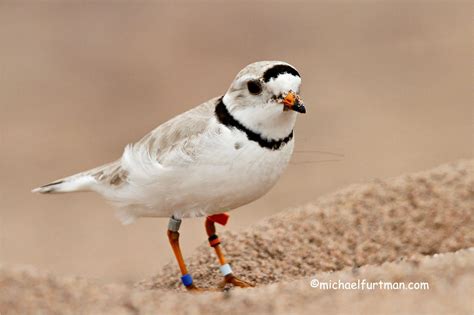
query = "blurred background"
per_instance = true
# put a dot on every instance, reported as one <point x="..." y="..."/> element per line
<point x="388" y="88"/>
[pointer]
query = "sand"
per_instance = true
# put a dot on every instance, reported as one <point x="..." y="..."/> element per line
<point x="387" y="87"/>
<point x="415" y="227"/>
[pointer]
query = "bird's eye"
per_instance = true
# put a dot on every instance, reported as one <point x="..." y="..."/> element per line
<point x="255" y="87"/>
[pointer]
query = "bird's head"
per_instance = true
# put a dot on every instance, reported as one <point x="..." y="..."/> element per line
<point x="264" y="96"/>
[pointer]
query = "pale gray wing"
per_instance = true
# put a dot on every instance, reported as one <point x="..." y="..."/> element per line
<point x="175" y="134"/>
<point x="178" y="130"/>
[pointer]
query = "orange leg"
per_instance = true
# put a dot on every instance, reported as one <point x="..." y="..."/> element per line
<point x="225" y="267"/>
<point x="173" y="236"/>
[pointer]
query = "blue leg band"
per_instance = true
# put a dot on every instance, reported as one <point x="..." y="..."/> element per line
<point x="187" y="280"/>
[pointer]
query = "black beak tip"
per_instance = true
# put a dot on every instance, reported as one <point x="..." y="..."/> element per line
<point x="300" y="108"/>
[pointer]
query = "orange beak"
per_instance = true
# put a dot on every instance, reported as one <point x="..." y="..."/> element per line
<point x="292" y="101"/>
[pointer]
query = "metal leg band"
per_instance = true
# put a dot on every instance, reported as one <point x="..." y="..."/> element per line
<point x="174" y="224"/>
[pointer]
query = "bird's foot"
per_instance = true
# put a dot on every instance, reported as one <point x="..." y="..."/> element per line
<point x="231" y="279"/>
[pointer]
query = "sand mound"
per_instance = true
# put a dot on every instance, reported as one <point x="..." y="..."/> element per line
<point x="389" y="230"/>
<point x="423" y="213"/>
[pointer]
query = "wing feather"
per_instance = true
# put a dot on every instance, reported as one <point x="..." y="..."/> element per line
<point x="143" y="161"/>
<point x="174" y="132"/>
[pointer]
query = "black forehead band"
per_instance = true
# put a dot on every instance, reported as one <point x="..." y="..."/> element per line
<point x="275" y="71"/>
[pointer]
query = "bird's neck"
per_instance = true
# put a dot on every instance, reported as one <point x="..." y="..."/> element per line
<point x="269" y="121"/>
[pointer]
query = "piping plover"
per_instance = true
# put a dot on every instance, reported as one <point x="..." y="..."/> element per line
<point x="218" y="156"/>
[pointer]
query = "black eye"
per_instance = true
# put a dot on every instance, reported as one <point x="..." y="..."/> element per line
<point x="255" y="87"/>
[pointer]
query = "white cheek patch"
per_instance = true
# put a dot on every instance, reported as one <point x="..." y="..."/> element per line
<point x="284" y="83"/>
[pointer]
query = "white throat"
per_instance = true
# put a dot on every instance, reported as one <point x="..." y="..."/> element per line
<point x="269" y="120"/>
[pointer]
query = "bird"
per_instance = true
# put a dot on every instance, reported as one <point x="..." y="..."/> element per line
<point x="216" y="157"/>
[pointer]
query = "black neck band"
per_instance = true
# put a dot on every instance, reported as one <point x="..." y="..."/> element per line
<point x="227" y="119"/>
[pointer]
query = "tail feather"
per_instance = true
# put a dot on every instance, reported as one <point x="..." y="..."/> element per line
<point x="80" y="182"/>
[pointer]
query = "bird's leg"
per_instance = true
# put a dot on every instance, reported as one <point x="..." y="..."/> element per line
<point x="215" y="242"/>
<point x="173" y="236"/>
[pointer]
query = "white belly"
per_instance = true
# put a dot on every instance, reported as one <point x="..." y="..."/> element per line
<point x="227" y="172"/>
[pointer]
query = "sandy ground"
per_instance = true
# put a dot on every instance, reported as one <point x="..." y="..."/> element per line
<point x="413" y="228"/>
<point x="387" y="84"/>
